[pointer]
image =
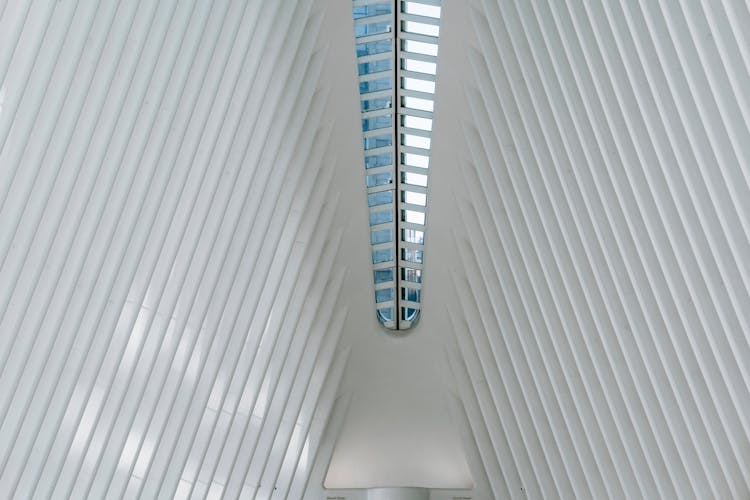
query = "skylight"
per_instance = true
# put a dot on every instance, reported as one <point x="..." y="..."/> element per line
<point x="408" y="56"/>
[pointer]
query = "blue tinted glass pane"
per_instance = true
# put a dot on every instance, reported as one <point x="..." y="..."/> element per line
<point x="382" y="255"/>
<point x="380" y="198"/>
<point x="383" y="275"/>
<point x="375" y="85"/>
<point x="384" y="295"/>
<point x="374" y="66"/>
<point x="414" y="275"/>
<point x="381" y="160"/>
<point x="408" y="313"/>
<point x="371" y="10"/>
<point x="381" y="217"/>
<point x="410" y="294"/>
<point x="385" y="315"/>
<point x="412" y="236"/>
<point x="376" y="123"/>
<point x="370" y="48"/>
<point x="412" y="255"/>
<point x="379" y="179"/>
<point x="378" y="142"/>
<point x="379" y="103"/>
<point x="381" y="236"/>
<point x="372" y="28"/>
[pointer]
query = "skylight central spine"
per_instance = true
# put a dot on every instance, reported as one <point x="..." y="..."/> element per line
<point x="397" y="45"/>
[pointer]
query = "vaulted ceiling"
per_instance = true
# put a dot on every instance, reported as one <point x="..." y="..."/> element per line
<point x="185" y="279"/>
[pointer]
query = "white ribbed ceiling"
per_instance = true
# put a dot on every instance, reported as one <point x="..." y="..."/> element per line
<point x="185" y="283"/>
<point x="171" y="274"/>
<point x="594" y="206"/>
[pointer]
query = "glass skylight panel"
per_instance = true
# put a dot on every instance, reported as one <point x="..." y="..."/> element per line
<point x="412" y="236"/>
<point x="412" y="216"/>
<point x="380" y="198"/>
<point x="415" y="141"/>
<point x="377" y="66"/>
<point x="414" y="179"/>
<point x="420" y="28"/>
<point x="374" y="104"/>
<point x="381" y="236"/>
<point x="383" y="275"/>
<point x="417" y="66"/>
<point x="421" y="9"/>
<point x="382" y="255"/>
<point x="384" y="295"/>
<point x="371" y="48"/>
<point x="417" y="122"/>
<point x="412" y="275"/>
<point x="381" y="217"/>
<point x="361" y="11"/>
<point x="415" y="160"/>
<point x="376" y="123"/>
<point x="413" y="198"/>
<point x="418" y="85"/>
<point x="397" y="66"/>
<point x="381" y="160"/>
<point x="361" y="30"/>
<point x="379" y="179"/>
<point x="417" y="103"/>
<point x="375" y="85"/>
<point x="428" y="49"/>
<point x="378" y="141"/>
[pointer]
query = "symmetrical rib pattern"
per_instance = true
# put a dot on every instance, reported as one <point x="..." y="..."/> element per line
<point x="599" y="223"/>
<point x="169" y="225"/>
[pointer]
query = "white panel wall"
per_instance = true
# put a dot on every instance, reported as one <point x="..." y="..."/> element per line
<point x="172" y="177"/>
<point x="589" y="232"/>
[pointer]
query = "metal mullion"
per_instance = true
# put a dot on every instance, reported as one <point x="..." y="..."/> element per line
<point x="373" y="57"/>
<point x="412" y="245"/>
<point x="413" y="169"/>
<point x="367" y="77"/>
<point x="376" y="37"/>
<point x="411" y="225"/>
<point x="385" y="284"/>
<point x="416" y="56"/>
<point x="410" y="264"/>
<point x="418" y="75"/>
<point x="413" y="188"/>
<point x="413" y="285"/>
<point x="415" y="93"/>
<point x="415" y="112"/>
<point x="416" y="151"/>
<point x="419" y="19"/>
<point x="377" y="132"/>
<point x="384" y="225"/>
<point x="436" y="3"/>
<point x="382" y="246"/>
<point x="377" y="112"/>
<point x="379" y="170"/>
<point x="377" y="151"/>
<point x="396" y="11"/>
<point x="373" y="19"/>
<point x="418" y="37"/>
<point x="380" y="208"/>
<point x="414" y="208"/>
<point x="369" y="96"/>
<point x="379" y="189"/>
<point x="362" y="3"/>
<point x="415" y="131"/>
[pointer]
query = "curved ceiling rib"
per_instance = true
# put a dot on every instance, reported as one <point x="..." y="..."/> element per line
<point x="171" y="284"/>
